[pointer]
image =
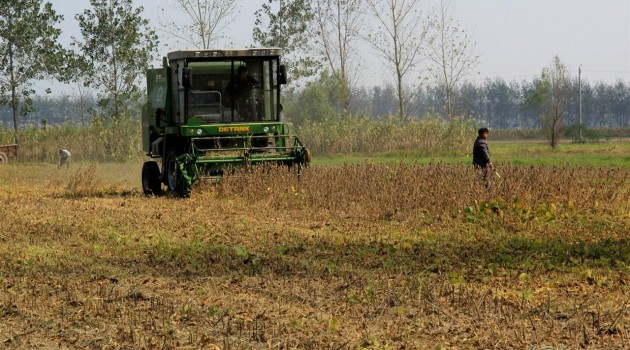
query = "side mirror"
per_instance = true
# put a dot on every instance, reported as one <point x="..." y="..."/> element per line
<point x="187" y="77"/>
<point x="282" y="74"/>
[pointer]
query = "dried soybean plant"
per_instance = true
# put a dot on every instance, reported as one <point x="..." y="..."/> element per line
<point x="386" y="190"/>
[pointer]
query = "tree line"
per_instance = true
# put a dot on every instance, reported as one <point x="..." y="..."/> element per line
<point x="426" y="53"/>
<point x="117" y="44"/>
<point x="495" y="103"/>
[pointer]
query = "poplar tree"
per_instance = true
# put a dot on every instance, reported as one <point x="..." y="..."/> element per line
<point x="551" y="96"/>
<point x="399" y="37"/>
<point x="284" y="24"/>
<point x="450" y="52"/>
<point x="208" y="21"/>
<point x="337" y="27"/>
<point x="29" y="51"/>
<point x="117" y="47"/>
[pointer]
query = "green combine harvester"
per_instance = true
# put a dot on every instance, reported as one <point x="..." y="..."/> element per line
<point x="209" y="111"/>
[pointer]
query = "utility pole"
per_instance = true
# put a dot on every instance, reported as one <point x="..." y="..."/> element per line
<point x="580" y="103"/>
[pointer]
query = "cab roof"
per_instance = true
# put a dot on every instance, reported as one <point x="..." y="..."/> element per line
<point x="232" y="53"/>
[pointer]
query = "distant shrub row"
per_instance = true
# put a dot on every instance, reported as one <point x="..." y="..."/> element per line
<point x="432" y="135"/>
<point x="570" y="133"/>
<point x="120" y="139"/>
<point x="101" y="140"/>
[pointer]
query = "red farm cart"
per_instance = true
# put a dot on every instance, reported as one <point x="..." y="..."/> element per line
<point x="6" y="152"/>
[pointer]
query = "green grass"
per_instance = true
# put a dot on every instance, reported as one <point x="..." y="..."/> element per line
<point x="604" y="154"/>
<point x="614" y="153"/>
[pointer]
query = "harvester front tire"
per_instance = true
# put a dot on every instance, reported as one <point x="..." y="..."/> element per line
<point x="3" y="158"/>
<point x="151" y="184"/>
<point x="171" y="172"/>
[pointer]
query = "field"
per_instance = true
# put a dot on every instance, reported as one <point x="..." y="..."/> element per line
<point x="412" y="254"/>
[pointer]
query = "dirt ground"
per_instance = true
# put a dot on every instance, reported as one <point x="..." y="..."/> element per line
<point x="88" y="262"/>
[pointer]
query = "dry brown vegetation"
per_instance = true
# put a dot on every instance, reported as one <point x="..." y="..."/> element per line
<point x="430" y="135"/>
<point x="362" y="256"/>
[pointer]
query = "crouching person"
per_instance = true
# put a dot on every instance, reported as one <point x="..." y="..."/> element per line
<point x="63" y="157"/>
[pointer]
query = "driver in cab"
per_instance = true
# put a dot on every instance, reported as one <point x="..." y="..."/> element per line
<point x="242" y="91"/>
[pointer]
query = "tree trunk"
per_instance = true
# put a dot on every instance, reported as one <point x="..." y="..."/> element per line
<point x="399" y="75"/>
<point x="14" y="102"/>
<point x="401" y="98"/>
<point x="449" y="107"/>
<point x="14" y="98"/>
<point x="554" y="139"/>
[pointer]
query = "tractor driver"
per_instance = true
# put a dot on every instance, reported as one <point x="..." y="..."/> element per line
<point x="243" y="93"/>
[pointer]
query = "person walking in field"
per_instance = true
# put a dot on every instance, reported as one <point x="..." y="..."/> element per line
<point x="481" y="155"/>
<point x="63" y="157"/>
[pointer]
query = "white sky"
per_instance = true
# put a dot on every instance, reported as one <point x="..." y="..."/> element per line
<point x="515" y="39"/>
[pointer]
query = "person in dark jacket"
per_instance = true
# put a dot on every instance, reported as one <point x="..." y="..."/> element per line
<point x="481" y="155"/>
<point x="243" y="92"/>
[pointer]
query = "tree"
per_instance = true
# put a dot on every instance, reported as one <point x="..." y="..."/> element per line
<point x="501" y="103"/>
<point x="286" y="27"/>
<point x="117" y="47"/>
<point x="318" y="100"/>
<point x="552" y="95"/>
<point x="28" y="51"/>
<point x="337" y="24"/>
<point x="208" y="19"/>
<point x="621" y="103"/>
<point x="83" y="93"/>
<point x="471" y="100"/>
<point x="399" y="39"/>
<point x="451" y="52"/>
<point x="80" y="86"/>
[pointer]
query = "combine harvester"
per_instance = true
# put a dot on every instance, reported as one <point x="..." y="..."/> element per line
<point x="208" y="111"/>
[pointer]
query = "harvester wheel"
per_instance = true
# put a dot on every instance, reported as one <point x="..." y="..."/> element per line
<point x="171" y="171"/>
<point x="3" y="158"/>
<point x="151" y="178"/>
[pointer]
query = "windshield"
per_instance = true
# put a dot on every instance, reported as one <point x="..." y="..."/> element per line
<point x="238" y="90"/>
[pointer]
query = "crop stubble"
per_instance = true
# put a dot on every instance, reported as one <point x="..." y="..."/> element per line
<point x="354" y="256"/>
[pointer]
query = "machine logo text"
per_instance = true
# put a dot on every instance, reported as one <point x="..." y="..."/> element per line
<point x="233" y="128"/>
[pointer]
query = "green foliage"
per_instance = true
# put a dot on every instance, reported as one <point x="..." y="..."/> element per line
<point x="573" y="132"/>
<point x="319" y="100"/>
<point x="117" y="47"/>
<point x="285" y="27"/>
<point x="28" y="50"/>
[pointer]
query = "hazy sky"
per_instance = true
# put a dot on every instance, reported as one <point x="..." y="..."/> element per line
<point x="515" y="39"/>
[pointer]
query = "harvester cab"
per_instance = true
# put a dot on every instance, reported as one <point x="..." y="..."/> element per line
<point x="212" y="110"/>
